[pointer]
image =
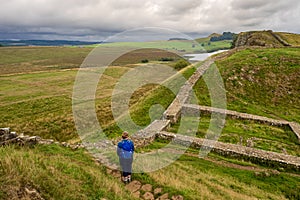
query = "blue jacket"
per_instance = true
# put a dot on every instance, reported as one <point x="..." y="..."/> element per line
<point x="125" y="149"/>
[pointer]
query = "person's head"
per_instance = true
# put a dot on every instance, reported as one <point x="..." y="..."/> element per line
<point x="125" y="135"/>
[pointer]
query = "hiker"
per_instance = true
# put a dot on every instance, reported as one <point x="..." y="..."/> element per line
<point x="125" y="151"/>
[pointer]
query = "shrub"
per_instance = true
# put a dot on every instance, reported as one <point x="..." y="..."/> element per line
<point x="145" y="61"/>
<point x="181" y="64"/>
<point x="166" y="59"/>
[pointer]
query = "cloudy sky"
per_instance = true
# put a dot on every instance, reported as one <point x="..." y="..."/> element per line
<point x="93" y="20"/>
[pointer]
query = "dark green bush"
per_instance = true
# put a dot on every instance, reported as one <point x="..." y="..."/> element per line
<point x="145" y="61"/>
<point x="181" y="64"/>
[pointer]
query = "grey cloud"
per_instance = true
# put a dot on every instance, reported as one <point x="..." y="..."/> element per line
<point x="238" y="4"/>
<point x="102" y="17"/>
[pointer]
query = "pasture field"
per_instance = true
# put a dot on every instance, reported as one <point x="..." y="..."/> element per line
<point x="36" y="90"/>
<point x="180" y="46"/>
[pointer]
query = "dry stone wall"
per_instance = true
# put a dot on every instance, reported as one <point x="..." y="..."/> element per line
<point x="174" y="110"/>
<point x="7" y="138"/>
<point x="235" y="150"/>
<point x="237" y="115"/>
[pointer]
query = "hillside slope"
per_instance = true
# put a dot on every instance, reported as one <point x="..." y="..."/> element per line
<point x="291" y="38"/>
<point x="260" y="38"/>
<point x="260" y="81"/>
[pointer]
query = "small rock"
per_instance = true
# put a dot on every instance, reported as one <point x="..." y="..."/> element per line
<point x="157" y="190"/>
<point x="136" y="194"/>
<point x="177" y="197"/>
<point x="147" y="188"/>
<point x="134" y="186"/>
<point x="33" y="194"/>
<point x="275" y="172"/>
<point x="4" y="131"/>
<point x="148" y="196"/>
<point x="116" y="174"/>
<point x="163" y="197"/>
<point x="109" y="171"/>
<point x="267" y="174"/>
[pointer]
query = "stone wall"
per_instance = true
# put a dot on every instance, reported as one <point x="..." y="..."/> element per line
<point x="237" y="115"/>
<point x="149" y="134"/>
<point x="7" y="138"/>
<point x="247" y="153"/>
<point x="174" y="110"/>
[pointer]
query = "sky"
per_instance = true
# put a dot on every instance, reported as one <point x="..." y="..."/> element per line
<point x="96" y="20"/>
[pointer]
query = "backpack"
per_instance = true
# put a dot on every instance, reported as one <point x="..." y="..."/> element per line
<point x="126" y="149"/>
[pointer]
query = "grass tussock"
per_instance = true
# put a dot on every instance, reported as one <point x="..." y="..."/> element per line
<point x="55" y="173"/>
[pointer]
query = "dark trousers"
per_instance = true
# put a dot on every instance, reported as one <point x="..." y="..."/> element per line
<point x="126" y="166"/>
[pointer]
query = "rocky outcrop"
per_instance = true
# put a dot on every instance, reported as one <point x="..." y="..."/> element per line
<point x="260" y="38"/>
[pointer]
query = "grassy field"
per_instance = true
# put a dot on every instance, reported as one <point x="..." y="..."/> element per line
<point x="180" y="46"/>
<point x="31" y="59"/>
<point x="38" y="101"/>
<point x="260" y="81"/>
<point x="72" y="174"/>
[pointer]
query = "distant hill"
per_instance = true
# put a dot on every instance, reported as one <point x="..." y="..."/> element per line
<point x="215" y="42"/>
<point x="214" y="35"/>
<point x="224" y="36"/>
<point x="177" y="39"/>
<point x="44" y="43"/>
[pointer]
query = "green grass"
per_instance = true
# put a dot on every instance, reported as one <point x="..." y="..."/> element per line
<point x="180" y="46"/>
<point x="39" y="101"/>
<point x="260" y="81"/>
<point x="218" y="177"/>
<point x="56" y="173"/>
<point x="144" y="99"/>
<point x="31" y="59"/>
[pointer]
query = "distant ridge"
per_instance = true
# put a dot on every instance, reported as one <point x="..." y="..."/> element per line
<point x="214" y="35"/>
<point x="45" y="43"/>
